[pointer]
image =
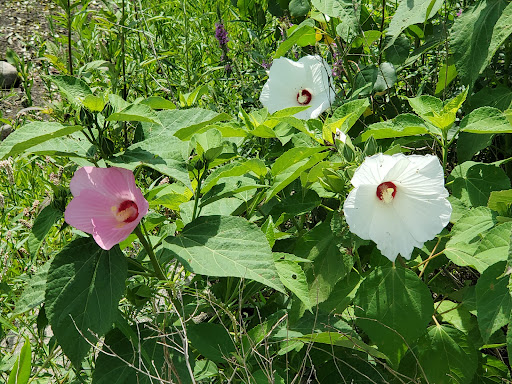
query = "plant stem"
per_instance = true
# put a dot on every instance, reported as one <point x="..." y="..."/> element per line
<point x="382" y="29"/>
<point x="185" y="17"/>
<point x="198" y="190"/>
<point x="445" y="146"/>
<point x="70" y="54"/>
<point x="156" y="265"/>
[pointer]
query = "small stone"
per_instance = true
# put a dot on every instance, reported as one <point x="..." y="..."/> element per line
<point x="8" y="75"/>
<point x="5" y="131"/>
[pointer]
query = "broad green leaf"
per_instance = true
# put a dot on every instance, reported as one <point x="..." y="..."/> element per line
<point x="393" y="306"/>
<point x="491" y="370"/>
<point x="134" y="353"/>
<point x="399" y="51"/>
<point x="477" y="34"/>
<point x="409" y="13"/>
<point x="342" y="294"/>
<point x="83" y="289"/>
<point x="42" y="225"/>
<point x="165" y="157"/>
<point x="493" y="300"/>
<point x="456" y="314"/>
<point x="348" y="113"/>
<point x="205" y="369"/>
<point x="486" y="120"/>
<point x="230" y="186"/>
<point x="292" y="276"/>
<point x="135" y="112"/>
<point x="462" y="254"/>
<point x="261" y="377"/>
<point x="222" y="207"/>
<point x="158" y="102"/>
<point x="20" y="373"/>
<point x="386" y="77"/>
<point x="208" y="145"/>
<point x="263" y="131"/>
<point x="74" y="89"/>
<point x="495" y="245"/>
<point x="291" y="157"/>
<point x="500" y="201"/>
<point x="425" y="104"/>
<point x="299" y="33"/>
<point x="466" y="235"/>
<point x="330" y="261"/>
<point x="31" y="134"/>
<point x="192" y="97"/>
<point x="297" y="204"/>
<point x="184" y="123"/>
<point x="341" y="340"/>
<point x="473" y="182"/>
<point x="287" y="112"/>
<point x="73" y="145"/>
<point x="94" y="103"/>
<point x="299" y="8"/>
<point x="405" y="124"/>
<point x="33" y="293"/>
<point x="170" y="196"/>
<point x="237" y="168"/>
<point x="225" y="246"/>
<point x="212" y="341"/>
<point x="447" y="74"/>
<point x="441" y="115"/>
<point x="161" y="150"/>
<point x="117" y="102"/>
<point x="446" y="356"/>
<point x="469" y="144"/>
<point x="499" y="97"/>
<point x="291" y="164"/>
<point x="470" y="226"/>
<point x="346" y="11"/>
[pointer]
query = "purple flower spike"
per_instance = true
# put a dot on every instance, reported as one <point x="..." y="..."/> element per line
<point x="221" y="35"/>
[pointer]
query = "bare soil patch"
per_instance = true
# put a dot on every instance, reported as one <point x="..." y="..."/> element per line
<point x="24" y="27"/>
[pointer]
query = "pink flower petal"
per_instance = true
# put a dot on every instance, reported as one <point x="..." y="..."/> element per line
<point x="89" y="204"/>
<point x="99" y="192"/>
<point x="115" y="181"/>
<point x="109" y="232"/>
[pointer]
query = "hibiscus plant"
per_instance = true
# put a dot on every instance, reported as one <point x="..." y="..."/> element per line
<point x="309" y="192"/>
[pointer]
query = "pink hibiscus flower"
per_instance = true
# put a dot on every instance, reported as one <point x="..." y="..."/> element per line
<point x="106" y="203"/>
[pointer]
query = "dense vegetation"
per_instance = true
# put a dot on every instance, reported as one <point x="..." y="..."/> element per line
<point x="244" y="268"/>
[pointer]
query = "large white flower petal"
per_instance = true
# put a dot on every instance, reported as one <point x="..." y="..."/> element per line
<point x="374" y="169"/>
<point x="390" y="233"/>
<point x="422" y="175"/>
<point x="416" y="213"/>
<point x="276" y="98"/>
<point x="425" y="217"/>
<point x="287" y="79"/>
<point x="359" y="208"/>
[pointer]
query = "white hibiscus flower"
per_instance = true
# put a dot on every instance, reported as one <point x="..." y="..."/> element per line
<point x="307" y="82"/>
<point x="398" y="201"/>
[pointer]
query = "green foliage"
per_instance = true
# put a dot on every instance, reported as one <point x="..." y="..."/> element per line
<point x="245" y="270"/>
<point x="84" y="285"/>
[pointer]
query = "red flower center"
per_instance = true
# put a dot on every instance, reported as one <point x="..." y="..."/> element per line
<point x="304" y="97"/>
<point x="127" y="211"/>
<point x="386" y="191"/>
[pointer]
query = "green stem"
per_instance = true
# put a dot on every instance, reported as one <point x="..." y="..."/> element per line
<point x="156" y="265"/>
<point x="185" y="16"/>
<point x="198" y="190"/>
<point x="445" y="146"/>
<point x="70" y="54"/>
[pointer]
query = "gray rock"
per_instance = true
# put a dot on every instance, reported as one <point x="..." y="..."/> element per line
<point x="5" y="131"/>
<point x="8" y="75"/>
